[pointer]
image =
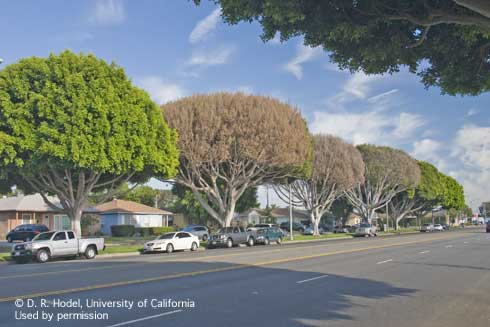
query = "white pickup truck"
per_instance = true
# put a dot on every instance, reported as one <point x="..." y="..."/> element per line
<point x="56" y="244"/>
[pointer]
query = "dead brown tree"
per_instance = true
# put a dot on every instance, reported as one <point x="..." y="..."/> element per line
<point x="388" y="172"/>
<point x="337" y="166"/>
<point x="231" y="141"/>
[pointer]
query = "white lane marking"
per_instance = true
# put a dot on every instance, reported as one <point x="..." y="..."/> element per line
<point x="449" y="246"/>
<point x="378" y="263"/>
<point x="145" y="318"/>
<point x="310" y="279"/>
<point x="423" y="252"/>
<point x="465" y="242"/>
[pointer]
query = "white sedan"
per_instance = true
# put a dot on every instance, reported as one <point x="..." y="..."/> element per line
<point x="438" y="227"/>
<point x="173" y="241"/>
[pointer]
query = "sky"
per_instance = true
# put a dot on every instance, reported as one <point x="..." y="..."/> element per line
<point x="174" y="49"/>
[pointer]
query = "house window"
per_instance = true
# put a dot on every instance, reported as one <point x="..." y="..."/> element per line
<point x="26" y="218"/>
<point x="62" y="222"/>
<point x="129" y="220"/>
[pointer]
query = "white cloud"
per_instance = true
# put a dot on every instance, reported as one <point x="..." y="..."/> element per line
<point x="426" y="149"/>
<point x="214" y="57"/>
<point x="108" y="12"/>
<point x="358" y="87"/>
<point x="381" y="96"/>
<point x="204" y="27"/>
<point x="160" y="91"/>
<point x="471" y="112"/>
<point x="303" y="55"/>
<point x="472" y="146"/>
<point x="407" y="124"/>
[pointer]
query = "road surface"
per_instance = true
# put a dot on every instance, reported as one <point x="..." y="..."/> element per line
<point x="436" y="279"/>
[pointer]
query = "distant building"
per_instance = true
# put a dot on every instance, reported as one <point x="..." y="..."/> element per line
<point x="32" y="209"/>
<point x="121" y="212"/>
<point x="278" y="215"/>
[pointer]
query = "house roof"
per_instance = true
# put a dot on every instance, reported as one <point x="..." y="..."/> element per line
<point x="33" y="203"/>
<point x="124" y="206"/>
<point x="278" y="213"/>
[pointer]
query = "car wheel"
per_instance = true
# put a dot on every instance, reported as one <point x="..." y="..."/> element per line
<point x="204" y="238"/>
<point x="90" y="253"/>
<point x="279" y="241"/>
<point x="251" y="241"/>
<point x="170" y="248"/>
<point x="229" y="243"/>
<point x="267" y="241"/>
<point x="9" y="239"/>
<point x="42" y="256"/>
<point x="194" y="246"/>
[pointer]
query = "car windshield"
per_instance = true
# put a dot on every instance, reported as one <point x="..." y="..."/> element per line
<point x="365" y="225"/>
<point x="226" y="230"/>
<point x="43" y="237"/>
<point x="188" y="229"/>
<point x="166" y="236"/>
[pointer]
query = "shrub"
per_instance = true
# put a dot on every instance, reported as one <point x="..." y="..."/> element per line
<point x="162" y="230"/>
<point x="122" y="230"/>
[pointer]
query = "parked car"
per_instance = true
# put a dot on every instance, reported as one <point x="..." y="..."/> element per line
<point x="265" y="225"/>
<point x="310" y="229"/>
<point x="296" y="227"/>
<point x="445" y="226"/>
<point x="55" y="244"/>
<point x="366" y="230"/>
<point x="488" y="226"/>
<point x="170" y="242"/>
<point x="341" y="229"/>
<point x="325" y="227"/>
<point x="268" y="235"/>
<point x="25" y="232"/>
<point x="232" y="236"/>
<point x="427" y="228"/>
<point x="201" y="231"/>
<point x="438" y="227"/>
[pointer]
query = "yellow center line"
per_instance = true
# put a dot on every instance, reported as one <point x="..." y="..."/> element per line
<point x="207" y="271"/>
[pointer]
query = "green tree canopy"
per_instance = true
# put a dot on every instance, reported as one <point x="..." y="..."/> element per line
<point x="445" y="42"/>
<point x="72" y="124"/>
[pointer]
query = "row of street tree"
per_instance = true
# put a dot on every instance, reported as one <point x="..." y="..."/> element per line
<point x="74" y="126"/>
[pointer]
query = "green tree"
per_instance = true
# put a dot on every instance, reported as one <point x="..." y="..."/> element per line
<point x="421" y="199"/>
<point x="445" y="42"/>
<point x="72" y="124"/>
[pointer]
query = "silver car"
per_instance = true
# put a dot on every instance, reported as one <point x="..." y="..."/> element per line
<point x="427" y="228"/>
<point x="200" y="231"/>
<point x="366" y="230"/>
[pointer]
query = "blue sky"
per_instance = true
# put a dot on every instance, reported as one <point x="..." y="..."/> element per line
<point x="173" y="49"/>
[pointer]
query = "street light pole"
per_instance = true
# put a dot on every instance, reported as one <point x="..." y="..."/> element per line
<point x="291" y="237"/>
<point x="387" y="219"/>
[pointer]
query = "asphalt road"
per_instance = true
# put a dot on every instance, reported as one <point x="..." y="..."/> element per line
<point x="439" y="279"/>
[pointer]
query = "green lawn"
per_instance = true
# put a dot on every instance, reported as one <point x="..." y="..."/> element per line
<point x="299" y="237"/>
<point x="4" y="256"/>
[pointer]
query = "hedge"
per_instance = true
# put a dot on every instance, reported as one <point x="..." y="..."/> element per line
<point x="122" y="230"/>
<point x="151" y="231"/>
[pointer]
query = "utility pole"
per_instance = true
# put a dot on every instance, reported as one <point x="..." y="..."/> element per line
<point x="291" y="237"/>
<point x="387" y="219"/>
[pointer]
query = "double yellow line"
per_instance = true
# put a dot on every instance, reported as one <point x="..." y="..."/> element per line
<point x="214" y="270"/>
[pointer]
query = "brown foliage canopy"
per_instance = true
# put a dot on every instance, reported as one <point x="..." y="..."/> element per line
<point x="389" y="166"/>
<point x="223" y="127"/>
<point x="336" y="162"/>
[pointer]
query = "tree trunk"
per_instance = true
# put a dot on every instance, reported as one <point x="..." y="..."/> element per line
<point x="75" y="216"/>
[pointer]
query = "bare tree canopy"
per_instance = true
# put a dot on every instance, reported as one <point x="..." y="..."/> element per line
<point x="231" y="141"/>
<point x="388" y="172"/>
<point x="337" y="166"/>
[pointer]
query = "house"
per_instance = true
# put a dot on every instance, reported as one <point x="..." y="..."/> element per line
<point x="121" y="212"/>
<point x="31" y="209"/>
<point x="278" y="215"/>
